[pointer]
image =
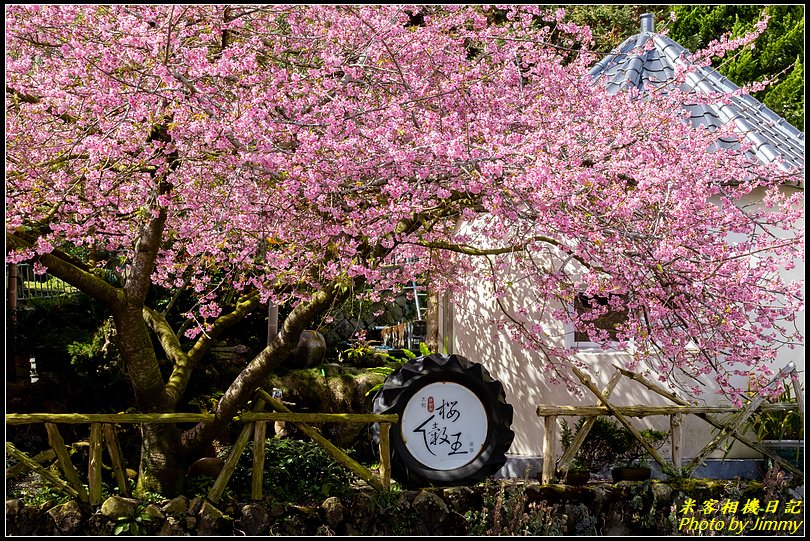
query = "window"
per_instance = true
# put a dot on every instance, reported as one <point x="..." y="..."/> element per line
<point x="610" y="320"/>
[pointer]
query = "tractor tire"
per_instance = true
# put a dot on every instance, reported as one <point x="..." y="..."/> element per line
<point x="423" y="453"/>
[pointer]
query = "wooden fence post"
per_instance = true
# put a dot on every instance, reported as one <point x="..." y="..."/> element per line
<point x="116" y="459"/>
<point x="58" y="445"/>
<point x="549" y="462"/>
<point x="44" y="472"/>
<point x="330" y="448"/>
<point x="94" y="468"/>
<point x="233" y="459"/>
<point x="385" y="455"/>
<point x="259" y="435"/>
<point x="580" y="436"/>
<point x="622" y="419"/>
<point x="675" y="433"/>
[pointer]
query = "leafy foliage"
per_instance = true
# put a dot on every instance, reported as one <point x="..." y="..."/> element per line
<point x="782" y="424"/>
<point x="609" y="443"/>
<point x="295" y="471"/>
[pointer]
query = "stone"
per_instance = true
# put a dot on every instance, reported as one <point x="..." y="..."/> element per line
<point x="116" y="507"/>
<point x="662" y="492"/>
<point x="212" y="520"/>
<point x="430" y="508"/>
<point x="332" y="511"/>
<point x="67" y="517"/>
<point x="195" y="505"/>
<point x="462" y="499"/>
<point x="207" y="466"/>
<point x="254" y="520"/>
<point x="309" y="351"/>
<point x="152" y="510"/>
<point x="172" y="526"/>
<point x="176" y="506"/>
<point x="100" y="526"/>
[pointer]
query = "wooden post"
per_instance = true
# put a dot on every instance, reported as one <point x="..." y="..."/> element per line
<point x="549" y="462"/>
<point x="259" y="435"/>
<point x="114" y="450"/>
<point x="732" y="428"/>
<point x="94" y="468"/>
<point x="58" y="445"/>
<point x="797" y="390"/>
<point x="675" y="433"/>
<point x="40" y="458"/>
<point x="215" y="493"/>
<point x="714" y="422"/>
<point x="385" y="455"/>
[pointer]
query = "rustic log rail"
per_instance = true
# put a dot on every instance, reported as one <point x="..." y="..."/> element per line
<point x="728" y="428"/>
<point x="102" y="430"/>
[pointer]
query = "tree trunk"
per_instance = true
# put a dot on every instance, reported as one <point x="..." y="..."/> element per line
<point x="162" y="469"/>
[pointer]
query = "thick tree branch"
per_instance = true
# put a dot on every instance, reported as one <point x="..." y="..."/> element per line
<point x="74" y="273"/>
<point x="186" y="361"/>
<point x="263" y="364"/>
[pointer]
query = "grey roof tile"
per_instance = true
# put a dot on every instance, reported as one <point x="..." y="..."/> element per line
<point x="631" y="66"/>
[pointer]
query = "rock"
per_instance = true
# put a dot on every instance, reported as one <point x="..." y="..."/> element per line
<point x="431" y="509"/>
<point x="13" y="508"/>
<point x="99" y="525"/>
<point x="195" y="505"/>
<point x="662" y="492"/>
<point x="172" y="527"/>
<point x="212" y="520"/>
<point x="207" y="466"/>
<point x="176" y="506"/>
<point x="332" y="369"/>
<point x="67" y="517"/>
<point x="254" y="520"/>
<point x="309" y="352"/>
<point x="332" y="511"/>
<point x="152" y="511"/>
<point x="277" y="509"/>
<point x="361" y="510"/>
<point x="116" y="507"/>
<point x="27" y="519"/>
<point x="463" y="499"/>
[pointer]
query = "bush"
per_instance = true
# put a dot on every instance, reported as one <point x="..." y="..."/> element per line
<point x="294" y="471"/>
<point x="609" y="443"/>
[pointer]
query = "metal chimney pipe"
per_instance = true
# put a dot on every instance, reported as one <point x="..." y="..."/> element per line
<point x="647" y="22"/>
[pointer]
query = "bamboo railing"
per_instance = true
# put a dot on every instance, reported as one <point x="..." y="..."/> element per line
<point x="102" y="431"/>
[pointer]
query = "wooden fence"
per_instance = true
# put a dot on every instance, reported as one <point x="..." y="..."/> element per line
<point x="102" y="431"/>
<point x="731" y="427"/>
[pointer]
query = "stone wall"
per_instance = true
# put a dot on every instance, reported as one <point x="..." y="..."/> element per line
<point x="516" y="507"/>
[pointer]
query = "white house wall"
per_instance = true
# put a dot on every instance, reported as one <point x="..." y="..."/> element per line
<point x="466" y="329"/>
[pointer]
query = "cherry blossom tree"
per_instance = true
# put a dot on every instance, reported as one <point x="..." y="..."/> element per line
<point x="299" y="154"/>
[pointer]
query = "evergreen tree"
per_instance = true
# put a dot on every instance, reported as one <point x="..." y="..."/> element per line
<point x="778" y="53"/>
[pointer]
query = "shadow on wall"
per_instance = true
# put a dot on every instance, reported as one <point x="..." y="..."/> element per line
<point x="526" y="384"/>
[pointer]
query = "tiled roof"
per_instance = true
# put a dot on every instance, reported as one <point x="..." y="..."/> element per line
<point x="648" y="61"/>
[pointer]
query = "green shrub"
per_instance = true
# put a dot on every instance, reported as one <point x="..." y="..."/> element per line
<point x="294" y="471"/>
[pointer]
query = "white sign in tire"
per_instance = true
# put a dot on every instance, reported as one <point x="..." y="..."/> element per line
<point x="444" y="425"/>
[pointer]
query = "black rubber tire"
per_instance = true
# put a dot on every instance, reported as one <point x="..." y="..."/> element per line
<point x="401" y="385"/>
